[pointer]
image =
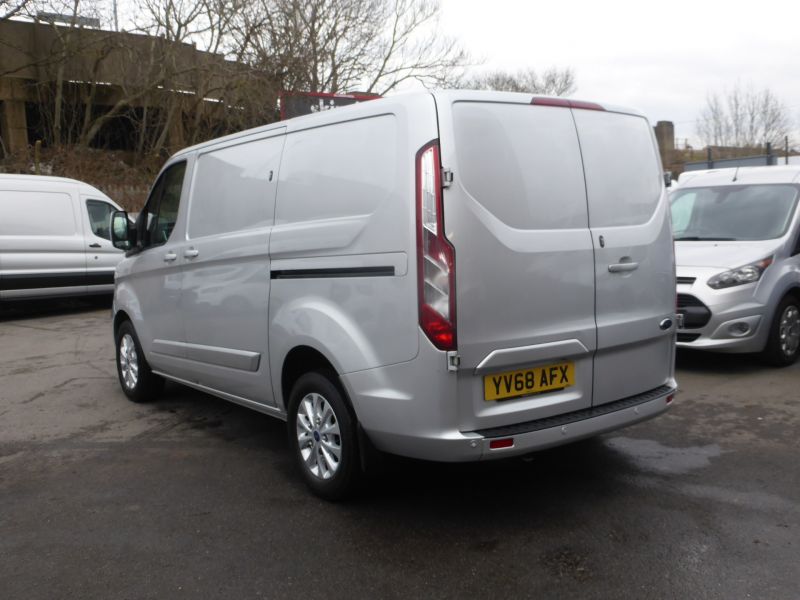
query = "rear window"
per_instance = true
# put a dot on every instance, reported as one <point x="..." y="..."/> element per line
<point x="36" y="213"/>
<point x="522" y="163"/>
<point x="733" y="212"/>
<point x="623" y="178"/>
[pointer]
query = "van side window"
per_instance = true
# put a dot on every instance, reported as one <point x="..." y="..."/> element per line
<point x="100" y="217"/>
<point x="234" y="187"/>
<point x="157" y="219"/>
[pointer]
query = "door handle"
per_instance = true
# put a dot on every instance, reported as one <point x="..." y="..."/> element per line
<point x="191" y="253"/>
<point x="625" y="267"/>
<point x="95" y="245"/>
<point x="170" y="256"/>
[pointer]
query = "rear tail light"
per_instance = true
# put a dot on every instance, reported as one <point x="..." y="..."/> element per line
<point x="435" y="255"/>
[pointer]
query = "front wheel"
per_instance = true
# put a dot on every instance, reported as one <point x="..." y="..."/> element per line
<point x="323" y="436"/>
<point x="138" y="382"/>
<point x="784" y="334"/>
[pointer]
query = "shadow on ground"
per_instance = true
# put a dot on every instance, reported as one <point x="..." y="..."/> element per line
<point x="719" y="363"/>
<point x="14" y="310"/>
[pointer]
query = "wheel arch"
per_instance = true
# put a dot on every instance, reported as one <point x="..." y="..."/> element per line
<point x="119" y="318"/>
<point x="303" y="359"/>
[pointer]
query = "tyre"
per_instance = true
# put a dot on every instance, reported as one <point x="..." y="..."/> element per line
<point x="323" y="436"/>
<point x="138" y="382"/>
<point x="784" y="334"/>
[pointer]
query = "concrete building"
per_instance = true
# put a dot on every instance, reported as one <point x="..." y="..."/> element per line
<point x="101" y="69"/>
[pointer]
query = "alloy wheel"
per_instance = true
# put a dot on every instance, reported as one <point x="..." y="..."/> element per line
<point x="789" y="330"/>
<point x="318" y="437"/>
<point x="128" y="361"/>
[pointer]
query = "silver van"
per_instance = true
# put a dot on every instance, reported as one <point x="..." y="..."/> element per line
<point x="737" y="246"/>
<point x="55" y="238"/>
<point x="454" y="276"/>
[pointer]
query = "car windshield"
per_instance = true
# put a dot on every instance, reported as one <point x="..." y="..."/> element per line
<point x="733" y="213"/>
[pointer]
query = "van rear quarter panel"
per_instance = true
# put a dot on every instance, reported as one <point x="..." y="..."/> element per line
<point x="343" y="244"/>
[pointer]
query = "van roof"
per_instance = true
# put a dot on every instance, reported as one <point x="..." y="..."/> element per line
<point x="379" y="105"/>
<point x="82" y="186"/>
<point x="740" y="176"/>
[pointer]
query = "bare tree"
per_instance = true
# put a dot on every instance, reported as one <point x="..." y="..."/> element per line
<point x="551" y="82"/>
<point x="12" y="8"/>
<point x="743" y="117"/>
<point x="344" y="45"/>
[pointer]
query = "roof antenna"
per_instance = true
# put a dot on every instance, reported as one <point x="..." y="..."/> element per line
<point x="735" y="174"/>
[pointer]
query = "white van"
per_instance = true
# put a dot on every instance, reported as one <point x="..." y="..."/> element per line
<point x="453" y="276"/>
<point x="55" y="238"/>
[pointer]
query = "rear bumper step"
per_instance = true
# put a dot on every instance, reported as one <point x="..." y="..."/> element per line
<point x="578" y="415"/>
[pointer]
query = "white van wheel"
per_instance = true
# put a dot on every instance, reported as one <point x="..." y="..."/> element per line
<point x="322" y="434"/>
<point x="784" y="336"/>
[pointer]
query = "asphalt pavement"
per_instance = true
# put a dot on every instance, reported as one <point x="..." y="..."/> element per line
<point x="193" y="497"/>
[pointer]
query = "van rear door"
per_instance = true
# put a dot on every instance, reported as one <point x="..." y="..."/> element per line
<point x="634" y="260"/>
<point x="516" y="215"/>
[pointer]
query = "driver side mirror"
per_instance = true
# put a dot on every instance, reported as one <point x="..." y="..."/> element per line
<point x="123" y="235"/>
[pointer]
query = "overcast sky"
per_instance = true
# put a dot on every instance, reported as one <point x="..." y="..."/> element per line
<point x="660" y="57"/>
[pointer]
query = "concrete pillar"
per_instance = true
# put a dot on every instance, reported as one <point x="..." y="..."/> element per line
<point x="665" y="136"/>
<point x="14" y="125"/>
<point x="175" y="135"/>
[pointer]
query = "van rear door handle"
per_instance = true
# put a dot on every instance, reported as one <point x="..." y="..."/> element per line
<point x="623" y="267"/>
<point x="170" y="256"/>
<point x="191" y="253"/>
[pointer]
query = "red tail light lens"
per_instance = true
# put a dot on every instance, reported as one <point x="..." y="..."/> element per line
<point x="435" y="255"/>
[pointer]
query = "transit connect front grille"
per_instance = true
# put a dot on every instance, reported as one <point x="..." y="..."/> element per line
<point x="572" y="417"/>
<point x="688" y="280"/>
<point x="688" y="337"/>
<point x="695" y="313"/>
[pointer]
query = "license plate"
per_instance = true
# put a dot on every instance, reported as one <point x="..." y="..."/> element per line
<point x="526" y="382"/>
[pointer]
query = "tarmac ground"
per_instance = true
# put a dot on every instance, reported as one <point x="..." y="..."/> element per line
<point x="192" y="496"/>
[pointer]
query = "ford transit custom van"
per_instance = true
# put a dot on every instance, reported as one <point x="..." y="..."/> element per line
<point x="455" y="276"/>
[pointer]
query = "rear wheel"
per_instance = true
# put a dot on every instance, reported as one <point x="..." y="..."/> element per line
<point x="138" y="382"/>
<point x="784" y="335"/>
<point x="323" y="436"/>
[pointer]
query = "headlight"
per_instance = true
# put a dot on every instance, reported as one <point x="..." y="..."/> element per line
<point x="746" y="274"/>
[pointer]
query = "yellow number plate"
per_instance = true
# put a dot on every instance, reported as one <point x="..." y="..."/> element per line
<point x="512" y="384"/>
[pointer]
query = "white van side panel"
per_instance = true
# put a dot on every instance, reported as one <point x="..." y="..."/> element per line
<point x="41" y="240"/>
<point x="343" y="275"/>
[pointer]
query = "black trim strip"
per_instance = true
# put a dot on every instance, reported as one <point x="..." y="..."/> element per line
<point x="578" y="415"/>
<point x="333" y="272"/>
<point x="97" y="278"/>
<point x="36" y="281"/>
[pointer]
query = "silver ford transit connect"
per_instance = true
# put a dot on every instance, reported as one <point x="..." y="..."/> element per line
<point x="453" y="276"/>
<point x="737" y="243"/>
<point x="55" y="238"/>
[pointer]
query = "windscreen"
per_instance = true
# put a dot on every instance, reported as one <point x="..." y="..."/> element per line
<point x="733" y="213"/>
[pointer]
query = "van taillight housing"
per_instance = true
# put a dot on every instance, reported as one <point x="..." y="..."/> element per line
<point x="436" y="258"/>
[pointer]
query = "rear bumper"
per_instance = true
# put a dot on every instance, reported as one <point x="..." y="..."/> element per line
<point x="458" y="446"/>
